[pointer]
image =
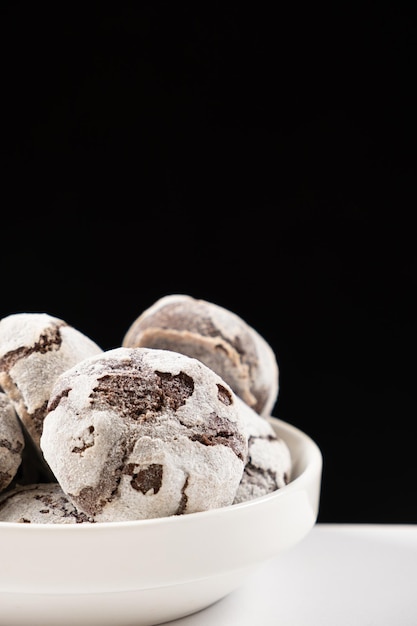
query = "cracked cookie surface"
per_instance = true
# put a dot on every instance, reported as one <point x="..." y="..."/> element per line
<point x="138" y="433"/>
<point x="40" y="503"/>
<point x="12" y="442"/>
<point x="269" y="463"/>
<point x="34" y="349"/>
<point x="217" y="337"/>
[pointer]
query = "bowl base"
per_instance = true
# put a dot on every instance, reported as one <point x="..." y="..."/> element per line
<point x="144" y="607"/>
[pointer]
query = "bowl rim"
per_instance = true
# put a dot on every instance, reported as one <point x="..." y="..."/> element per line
<point x="313" y="467"/>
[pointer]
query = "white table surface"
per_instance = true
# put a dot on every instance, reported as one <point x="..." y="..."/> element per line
<point x="339" y="575"/>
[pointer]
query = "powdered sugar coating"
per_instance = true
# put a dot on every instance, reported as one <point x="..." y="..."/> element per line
<point x="138" y="433"/>
<point x="216" y="336"/>
<point x="12" y="442"/>
<point x="40" y="503"/>
<point x="34" y="349"/>
<point x="269" y="459"/>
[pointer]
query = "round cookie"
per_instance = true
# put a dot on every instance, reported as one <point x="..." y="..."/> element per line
<point x="217" y="337"/>
<point x="12" y="442"/>
<point x="40" y="503"/>
<point x="269" y="459"/>
<point x="34" y="349"/>
<point x="137" y="433"/>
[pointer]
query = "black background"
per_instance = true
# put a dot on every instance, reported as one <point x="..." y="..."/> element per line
<point x="263" y="160"/>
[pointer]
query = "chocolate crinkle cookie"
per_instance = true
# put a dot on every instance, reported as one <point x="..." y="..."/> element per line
<point x="216" y="336"/>
<point x="269" y="463"/>
<point x="34" y="349"/>
<point x="138" y="433"/>
<point x="40" y="503"/>
<point x="12" y="442"/>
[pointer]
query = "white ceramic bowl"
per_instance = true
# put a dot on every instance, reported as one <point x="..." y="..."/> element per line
<point x="150" y="571"/>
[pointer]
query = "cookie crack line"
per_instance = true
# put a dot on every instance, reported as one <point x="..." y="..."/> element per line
<point x="47" y="342"/>
<point x="17" y="449"/>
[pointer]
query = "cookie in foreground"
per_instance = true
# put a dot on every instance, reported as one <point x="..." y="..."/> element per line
<point x="137" y="433"/>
